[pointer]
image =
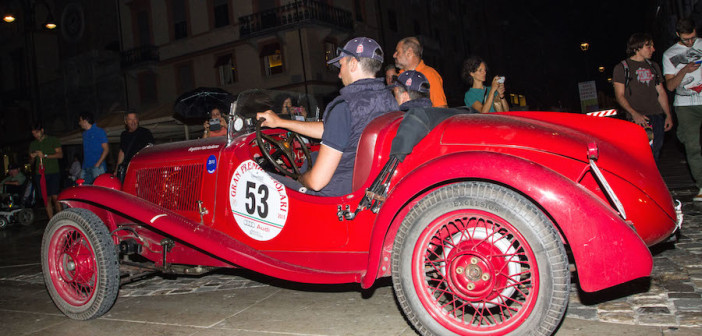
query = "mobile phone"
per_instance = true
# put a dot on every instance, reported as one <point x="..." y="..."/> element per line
<point x="501" y="79"/>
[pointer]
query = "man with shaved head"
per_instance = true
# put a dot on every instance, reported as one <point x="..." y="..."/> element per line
<point x="408" y="56"/>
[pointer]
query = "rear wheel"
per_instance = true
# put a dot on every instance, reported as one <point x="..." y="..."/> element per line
<point x="477" y="258"/>
<point x="80" y="264"/>
<point x="3" y="222"/>
<point x="25" y="216"/>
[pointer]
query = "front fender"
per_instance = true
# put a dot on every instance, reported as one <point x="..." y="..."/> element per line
<point x="200" y="236"/>
<point x="606" y="249"/>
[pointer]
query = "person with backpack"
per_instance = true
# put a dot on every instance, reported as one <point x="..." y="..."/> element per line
<point x="638" y="87"/>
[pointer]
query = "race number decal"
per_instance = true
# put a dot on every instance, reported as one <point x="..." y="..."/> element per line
<point x="259" y="203"/>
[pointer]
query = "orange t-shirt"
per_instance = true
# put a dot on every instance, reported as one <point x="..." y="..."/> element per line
<point x="436" y="84"/>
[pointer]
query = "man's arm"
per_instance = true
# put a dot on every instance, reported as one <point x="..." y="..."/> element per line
<point x="57" y="155"/>
<point x="436" y="91"/>
<point x="663" y="101"/>
<point x="120" y="158"/>
<point x="323" y="169"/>
<point x="637" y="117"/>
<point x="673" y="81"/>
<point x="312" y="129"/>
<point x="105" y="151"/>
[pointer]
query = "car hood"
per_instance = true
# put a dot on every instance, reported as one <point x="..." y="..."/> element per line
<point x="623" y="146"/>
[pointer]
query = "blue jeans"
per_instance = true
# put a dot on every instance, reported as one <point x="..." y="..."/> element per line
<point x="90" y="174"/>
<point x="658" y="124"/>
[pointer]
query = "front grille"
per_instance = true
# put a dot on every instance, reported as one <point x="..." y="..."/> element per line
<point x="175" y="188"/>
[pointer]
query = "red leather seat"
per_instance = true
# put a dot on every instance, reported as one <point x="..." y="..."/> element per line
<point x="374" y="147"/>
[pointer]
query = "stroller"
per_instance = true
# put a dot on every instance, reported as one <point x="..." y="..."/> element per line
<point x="17" y="207"/>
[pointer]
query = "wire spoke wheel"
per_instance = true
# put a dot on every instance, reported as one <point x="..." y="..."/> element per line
<point x="465" y="261"/>
<point x="80" y="266"/>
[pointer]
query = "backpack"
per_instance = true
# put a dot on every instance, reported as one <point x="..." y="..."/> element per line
<point x="627" y="74"/>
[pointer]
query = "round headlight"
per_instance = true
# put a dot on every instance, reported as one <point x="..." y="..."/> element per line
<point x="238" y="123"/>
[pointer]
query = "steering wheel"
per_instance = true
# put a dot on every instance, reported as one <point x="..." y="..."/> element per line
<point x="286" y="148"/>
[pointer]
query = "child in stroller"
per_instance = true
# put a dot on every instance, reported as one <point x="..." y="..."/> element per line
<point x="17" y="198"/>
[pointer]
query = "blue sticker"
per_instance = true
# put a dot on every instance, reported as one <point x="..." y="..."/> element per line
<point x="211" y="164"/>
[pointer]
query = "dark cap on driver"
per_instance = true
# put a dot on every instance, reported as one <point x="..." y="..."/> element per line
<point x="358" y="47"/>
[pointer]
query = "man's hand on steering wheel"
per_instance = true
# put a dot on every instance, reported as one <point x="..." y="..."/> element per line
<point x="275" y="150"/>
<point x="270" y="119"/>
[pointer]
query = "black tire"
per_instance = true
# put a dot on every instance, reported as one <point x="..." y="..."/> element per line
<point x="25" y="216"/>
<point x="3" y="222"/>
<point x="80" y="264"/>
<point x="478" y="258"/>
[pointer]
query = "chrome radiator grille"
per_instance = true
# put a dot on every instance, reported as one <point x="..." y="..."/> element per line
<point x="175" y="188"/>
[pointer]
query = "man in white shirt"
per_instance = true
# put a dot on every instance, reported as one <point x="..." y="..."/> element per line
<point x="681" y="64"/>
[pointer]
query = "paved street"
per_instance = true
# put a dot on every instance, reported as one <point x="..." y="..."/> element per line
<point x="236" y="302"/>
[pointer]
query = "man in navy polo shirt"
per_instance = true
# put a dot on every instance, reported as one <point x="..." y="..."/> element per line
<point x="95" y="148"/>
<point x="362" y="99"/>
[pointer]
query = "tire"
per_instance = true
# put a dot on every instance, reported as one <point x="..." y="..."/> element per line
<point x="3" y="223"/>
<point x="477" y="258"/>
<point x="25" y="217"/>
<point x="80" y="264"/>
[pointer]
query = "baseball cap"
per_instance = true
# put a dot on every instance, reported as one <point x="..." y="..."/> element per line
<point x="412" y="81"/>
<point x="358" y="47"/>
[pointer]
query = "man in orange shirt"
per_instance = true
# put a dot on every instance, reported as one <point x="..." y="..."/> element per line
<point x="408" y="56"/>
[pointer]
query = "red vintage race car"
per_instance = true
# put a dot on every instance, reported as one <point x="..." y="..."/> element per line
<point x="475" y="223"/>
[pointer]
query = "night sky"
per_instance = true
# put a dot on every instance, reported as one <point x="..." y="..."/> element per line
<point x="542" y="56"/>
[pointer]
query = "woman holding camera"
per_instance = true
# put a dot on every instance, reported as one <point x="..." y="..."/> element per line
<point x="216" y="126"/>
<point x="483" y="98"/>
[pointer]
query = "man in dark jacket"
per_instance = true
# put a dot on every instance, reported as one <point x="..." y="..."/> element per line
<point x="362" y="99"/>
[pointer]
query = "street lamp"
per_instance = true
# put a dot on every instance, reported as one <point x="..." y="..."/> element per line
<point x="49" y="23"/>
<point x="28" y="18"/>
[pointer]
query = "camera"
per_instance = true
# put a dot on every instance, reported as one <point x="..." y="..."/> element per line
<point x="501" y="79"/>
<point x="214" y="124"/>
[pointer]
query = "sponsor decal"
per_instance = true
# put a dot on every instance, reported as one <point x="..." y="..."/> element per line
<point x="211" y="164"/>
<point x="199" y="148"/>
<point x="258" y="202"/>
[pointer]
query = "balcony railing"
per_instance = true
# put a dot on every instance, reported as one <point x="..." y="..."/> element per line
<point x="301" y="11"/>
<point x="140" y="55"/>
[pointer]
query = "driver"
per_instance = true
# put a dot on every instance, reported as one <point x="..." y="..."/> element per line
<point x="362" y="99"/>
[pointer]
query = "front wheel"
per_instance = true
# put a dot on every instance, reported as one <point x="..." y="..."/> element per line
<point x="476" y="258"/>
<point x="80" y="264"/>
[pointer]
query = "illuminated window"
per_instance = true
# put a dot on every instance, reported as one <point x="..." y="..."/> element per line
<point x="329" y="53"/>
<point x="226" y="69"/>
<point x="272" y="59"/>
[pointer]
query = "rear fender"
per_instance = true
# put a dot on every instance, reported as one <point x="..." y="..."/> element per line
<point x="607" y="251"/>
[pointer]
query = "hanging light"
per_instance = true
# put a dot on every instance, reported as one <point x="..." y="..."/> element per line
<point x="9" y="18"/>
<point x="584" y="46"/>
<point x="601" y="69"/>
<point x="50" y="23"/>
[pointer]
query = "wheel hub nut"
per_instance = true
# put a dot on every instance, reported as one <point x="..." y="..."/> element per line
<point x="459" y="270"/>
<point x="470" y="286"/>
<point x="485" y="277"/>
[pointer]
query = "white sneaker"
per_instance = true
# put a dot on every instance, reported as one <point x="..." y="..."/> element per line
<point x="698" y="198"/>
